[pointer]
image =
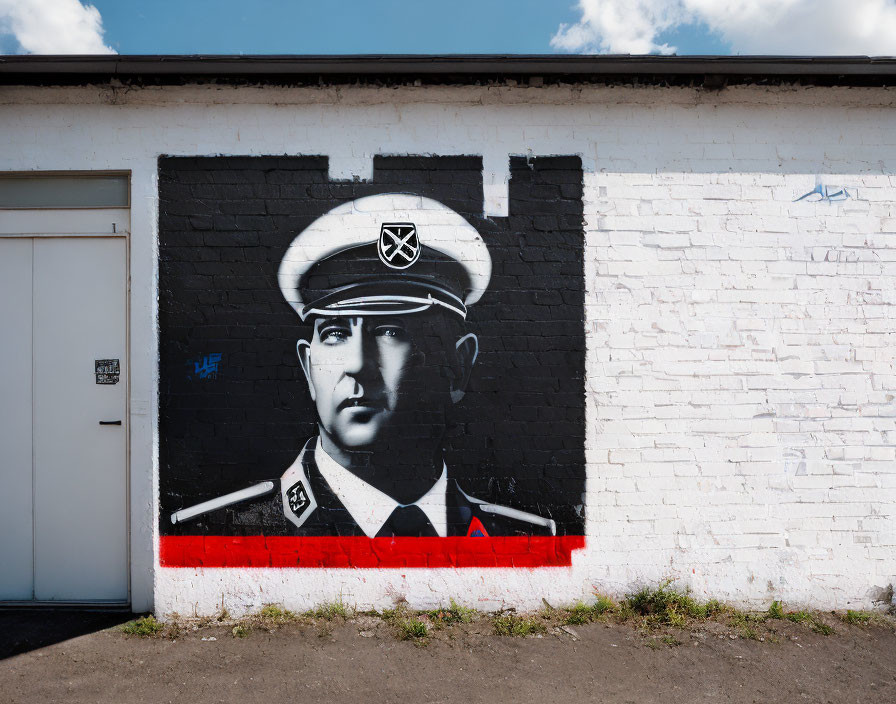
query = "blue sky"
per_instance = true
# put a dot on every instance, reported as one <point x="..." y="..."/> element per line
<point x="459" y="26"/>
<point x="337" y="27"/>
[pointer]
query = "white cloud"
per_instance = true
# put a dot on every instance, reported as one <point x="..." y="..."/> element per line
<point x="864" y="27"/>
<point x="54" y="26"/>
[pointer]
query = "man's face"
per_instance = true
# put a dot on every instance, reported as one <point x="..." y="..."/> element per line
<point x="377" y="379"/>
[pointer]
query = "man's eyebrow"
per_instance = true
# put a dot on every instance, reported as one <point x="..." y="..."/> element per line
<point x="322" y="323"/>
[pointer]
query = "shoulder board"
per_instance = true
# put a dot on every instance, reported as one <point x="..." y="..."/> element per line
<point x="251" y="492"/>
<point x="513" y="513"/>
<point x="518" y="515"/>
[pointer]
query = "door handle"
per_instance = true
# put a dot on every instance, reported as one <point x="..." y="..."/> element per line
<point x="110" y="422"/>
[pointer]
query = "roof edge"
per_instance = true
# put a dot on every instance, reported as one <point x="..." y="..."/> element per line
<point x="710" y="71"/>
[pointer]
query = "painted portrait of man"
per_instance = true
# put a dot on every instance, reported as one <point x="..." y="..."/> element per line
<point x="383" y="285"/>
<point x="398" y="378"/>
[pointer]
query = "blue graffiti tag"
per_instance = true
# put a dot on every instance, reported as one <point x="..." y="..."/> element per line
<point x="208" y="367"/>
<point x="829" y="194"/>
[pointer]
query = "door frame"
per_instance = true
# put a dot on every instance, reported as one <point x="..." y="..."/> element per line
<point x="75" y="223"/>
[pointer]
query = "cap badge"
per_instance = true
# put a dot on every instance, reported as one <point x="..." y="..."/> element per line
<point x="399" y="246"/>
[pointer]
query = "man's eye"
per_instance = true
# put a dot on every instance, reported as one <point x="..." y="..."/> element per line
<point x="391" y="331"/>
<point x="333" y="336"/>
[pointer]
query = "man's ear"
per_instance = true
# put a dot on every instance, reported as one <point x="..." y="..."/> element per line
<point x="303" y="349"/>
<point x="467" y="349"/>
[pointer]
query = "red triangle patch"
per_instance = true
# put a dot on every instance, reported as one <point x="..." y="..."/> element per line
<point x="476" y="529"/>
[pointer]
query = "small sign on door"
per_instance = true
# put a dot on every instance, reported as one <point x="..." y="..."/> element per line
<point x="108" y="371"/>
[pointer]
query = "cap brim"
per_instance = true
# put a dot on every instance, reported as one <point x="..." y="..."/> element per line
<point x="401" y="297"/>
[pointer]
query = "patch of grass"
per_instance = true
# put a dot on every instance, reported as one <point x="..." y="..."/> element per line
<point x="665" y="605"/>
<point x="274" y="614"/>
<point x="776" y="610"/>
<point x="821" y="627"/>
<point x="743" y="619"/>
<point x="412" y="629"/>
<point x="670" y="640"/>
<point x="328" y="612"/>
<point x="749" y="633"/>
<point x="514" y="625"/>
<point x="407" y="624"/>
<point x="393" y="616"/>
<point x="714" y="607"/>
<point x="240" y="631"/>
<point x="582" y="613"/>
<point x="604" y="604"/>
<point x="388" y="615"/>
<point x="145" y="627"/>
<point x="798" y="616"/>
<point x="452" y="615"/>
<point x="857" y="618"/>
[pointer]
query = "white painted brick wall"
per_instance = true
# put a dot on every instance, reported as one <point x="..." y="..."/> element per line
<point x="742" y="355"/>
<point x="741" y="379"/>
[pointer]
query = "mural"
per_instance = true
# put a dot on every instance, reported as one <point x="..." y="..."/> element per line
<point x="423" y="365"/>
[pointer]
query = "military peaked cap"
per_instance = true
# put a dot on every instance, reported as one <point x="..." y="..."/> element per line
<point x="393" y="253"/>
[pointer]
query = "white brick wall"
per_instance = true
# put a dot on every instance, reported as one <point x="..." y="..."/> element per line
<point x="741" y="384"/>
<point x="741" y="378"/>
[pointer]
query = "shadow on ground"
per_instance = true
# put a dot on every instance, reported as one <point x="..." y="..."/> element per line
<point x="22" y="630"/>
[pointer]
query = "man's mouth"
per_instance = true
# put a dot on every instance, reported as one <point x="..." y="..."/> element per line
<point x="364" y="402"/>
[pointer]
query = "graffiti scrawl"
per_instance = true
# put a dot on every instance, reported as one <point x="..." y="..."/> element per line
<point x="829" y="194"/>
<point x="207" y="367"/>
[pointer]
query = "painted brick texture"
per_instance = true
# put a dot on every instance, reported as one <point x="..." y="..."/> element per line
<point x="741" y="380"/>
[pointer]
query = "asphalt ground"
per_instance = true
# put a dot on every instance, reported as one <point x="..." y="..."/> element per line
<point x="83" y="657"/>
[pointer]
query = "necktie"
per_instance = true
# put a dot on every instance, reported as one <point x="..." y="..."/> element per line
<point x="407" y="521"/>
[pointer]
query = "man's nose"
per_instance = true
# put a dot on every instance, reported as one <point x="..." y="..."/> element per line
<point x="356" y="353"/>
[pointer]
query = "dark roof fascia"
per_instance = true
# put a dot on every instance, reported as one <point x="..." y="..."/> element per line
<point x="707" y="71"/>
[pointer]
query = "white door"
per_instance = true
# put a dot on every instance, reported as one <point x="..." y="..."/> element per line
<point x="63" y="474"/>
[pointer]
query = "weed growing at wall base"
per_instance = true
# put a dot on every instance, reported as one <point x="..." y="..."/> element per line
<point x="514" y="625"/>
<point x="272" y="614"/>
<point x="857" y="617"/>
<point x="776" y="611"/>
<point x="407" y="625"/>
<point x="146" y="627"/>
<point x="662" y="615"/>
<point x="582" y="613"/>
<point x="453" y="614"/>
<point x="328" y="612"/>
<point x="666" y="606"/>
<point x="412" y="629"/>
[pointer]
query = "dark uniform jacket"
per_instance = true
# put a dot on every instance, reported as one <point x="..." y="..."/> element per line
<point x="302" y="503"/>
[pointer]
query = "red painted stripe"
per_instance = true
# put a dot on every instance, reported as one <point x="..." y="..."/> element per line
<point x="263" y="551"/>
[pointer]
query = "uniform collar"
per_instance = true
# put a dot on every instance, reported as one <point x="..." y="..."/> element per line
<point x="371" y="508"/>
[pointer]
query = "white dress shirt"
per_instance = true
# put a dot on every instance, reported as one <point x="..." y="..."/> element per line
<point x="371" y="508"/>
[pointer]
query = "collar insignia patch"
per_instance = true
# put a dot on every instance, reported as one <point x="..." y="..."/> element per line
<point x="399" y="246"/>
<point x="297" y="497"/>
